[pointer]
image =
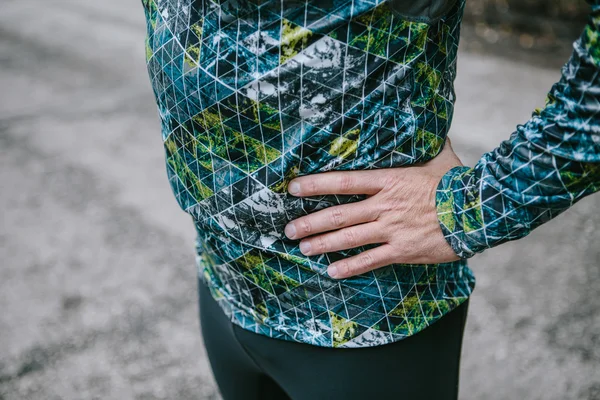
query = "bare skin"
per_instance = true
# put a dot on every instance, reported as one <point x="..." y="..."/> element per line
<point x="399" y="213"/>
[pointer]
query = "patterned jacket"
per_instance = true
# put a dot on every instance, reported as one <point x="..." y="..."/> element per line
<point x="252" y="93"/>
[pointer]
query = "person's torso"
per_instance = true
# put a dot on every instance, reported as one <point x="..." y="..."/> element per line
<point x="254" y="93"/>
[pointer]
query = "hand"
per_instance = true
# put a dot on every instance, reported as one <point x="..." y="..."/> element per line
<point x="399" y="212"/>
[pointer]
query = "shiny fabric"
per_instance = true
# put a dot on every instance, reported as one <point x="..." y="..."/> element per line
<point x="254" y="93"/>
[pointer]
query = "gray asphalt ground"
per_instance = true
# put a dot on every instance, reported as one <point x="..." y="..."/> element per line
<point x="97" y="279"/>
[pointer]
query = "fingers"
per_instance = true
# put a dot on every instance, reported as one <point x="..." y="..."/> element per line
<point x="339" y="182"/>
<point x="364" y="262"/>
<point x="331" y="218"/>
<point x="346" y="238"/>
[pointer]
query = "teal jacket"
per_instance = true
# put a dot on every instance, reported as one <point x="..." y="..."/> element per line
<point x="252" y="93"/>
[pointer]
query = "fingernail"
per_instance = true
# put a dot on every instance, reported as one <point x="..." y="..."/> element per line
<point x="332" y="271"/>
<point x="290" y="230"/>
<point x="305" y="247"/>
<point x="294" y="187"/>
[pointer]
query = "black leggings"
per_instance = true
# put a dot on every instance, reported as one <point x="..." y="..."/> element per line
<point x="249" y="366"/>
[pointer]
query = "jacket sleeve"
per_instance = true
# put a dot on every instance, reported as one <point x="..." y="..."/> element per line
<point x="545" y="166"/>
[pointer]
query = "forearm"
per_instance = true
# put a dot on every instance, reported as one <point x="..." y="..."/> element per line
<point x="547" y="164"/>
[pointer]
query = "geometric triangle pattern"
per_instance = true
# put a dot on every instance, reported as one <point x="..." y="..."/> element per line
<point x="547" y="165"/>
<point x="252" y="94"/>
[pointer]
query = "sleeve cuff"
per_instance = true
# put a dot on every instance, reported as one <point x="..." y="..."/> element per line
<point x="459" y="211"/>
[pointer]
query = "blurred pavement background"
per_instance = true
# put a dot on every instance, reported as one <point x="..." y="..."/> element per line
<point x="97" y="278"/>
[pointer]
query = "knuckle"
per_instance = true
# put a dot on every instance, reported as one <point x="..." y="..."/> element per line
<point x="312" y="186"/>
<point x="365" y="261"/>
<point x="305" y="226"/>
<point x="350" y="237"/>
<point x="337" y="217"/>
<point x="321" y="244"/>
<point x="346" y="182"/>
<point x="344" y="268"/>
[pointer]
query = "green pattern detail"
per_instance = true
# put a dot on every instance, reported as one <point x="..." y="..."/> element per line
<point x="342" y="329"/>
<point x="591" y="42"/>
<point x="345" y="146"/>
<point x="473" y="219"/>
<point x="445" y="210"/>
<point x="428" y="143"/>
<point x="198" y="190"/>
<point x="222" y="140"/>
<point x="294" y="38"/>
